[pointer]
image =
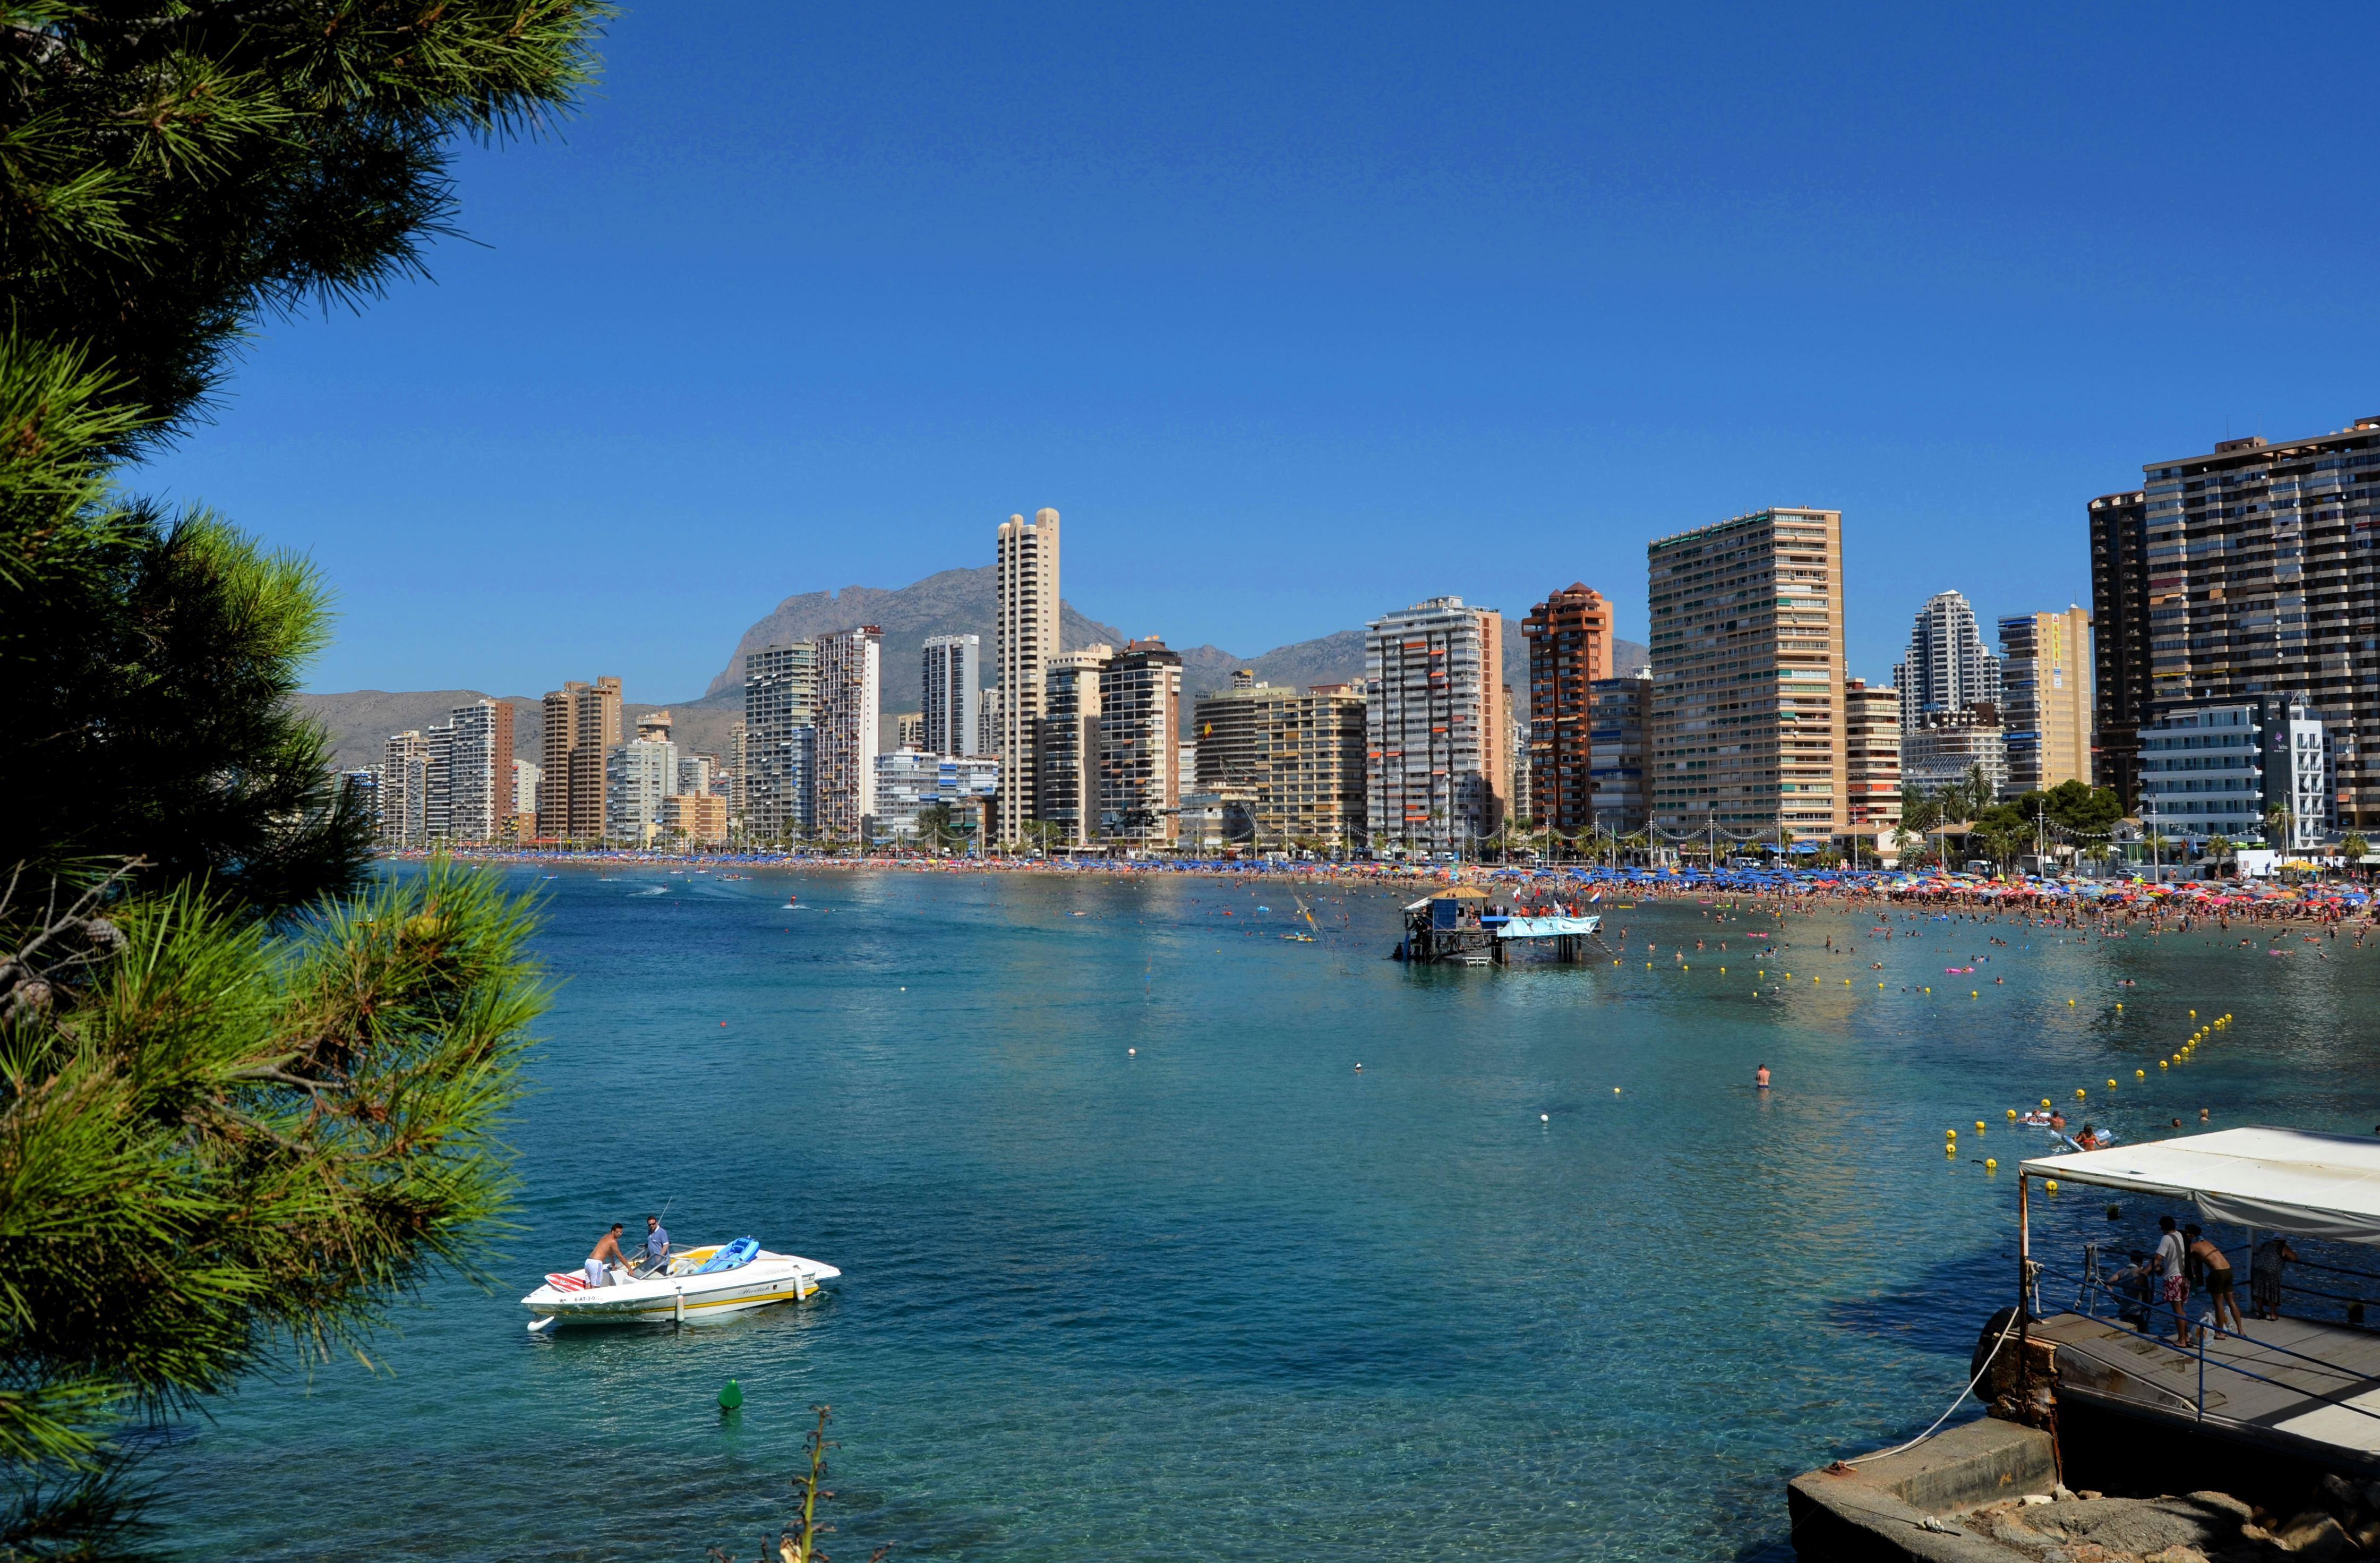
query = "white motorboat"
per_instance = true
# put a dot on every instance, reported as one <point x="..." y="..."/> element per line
<point x="700" y="1284"/>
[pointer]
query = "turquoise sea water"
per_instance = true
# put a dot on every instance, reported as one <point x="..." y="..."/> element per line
<point x="1546" y="1279"/>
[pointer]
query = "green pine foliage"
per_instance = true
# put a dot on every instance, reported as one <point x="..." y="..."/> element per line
<point x="248" y="1099"/>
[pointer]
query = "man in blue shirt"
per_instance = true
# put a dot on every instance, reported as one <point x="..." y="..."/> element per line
<point x="657" y="1243"/>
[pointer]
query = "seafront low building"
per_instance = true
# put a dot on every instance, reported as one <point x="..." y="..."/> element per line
<point x="910" y="781"/>
<point x="2246" y="770"/>
<point x="1747" y="649"/>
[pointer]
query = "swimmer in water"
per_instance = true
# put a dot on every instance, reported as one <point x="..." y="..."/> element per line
<point x="1760" y="1078"/>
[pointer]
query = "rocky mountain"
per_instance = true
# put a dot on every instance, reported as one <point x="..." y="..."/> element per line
<point x="359" y="721"/>
<point x="963" y="601"/>
<point x="956" y="601"/>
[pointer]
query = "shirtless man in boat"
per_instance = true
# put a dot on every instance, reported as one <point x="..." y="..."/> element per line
<point x="607" y="1247"/>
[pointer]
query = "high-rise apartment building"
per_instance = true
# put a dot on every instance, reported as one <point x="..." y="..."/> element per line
<point x="1226" y="722"/>
<point x="582" y="723"/>
<point x="2045" y="706"/>
<point x="1872" y="762"/>
<point x="404" y="790"/>
<point x="2260" y="571"/>
<point x="1946" y="667"/>
<point x="1067" y="746"/>
<point x="909" y="731"/>
<point x="640" y="776"/>
<point x="1747" y="649"/>
<point x="1026" y="641"/>
<point x="990" y="726"/>
<point x="2120" y="630"/>
<point x="439" y="737"/>
<point x="1950" y="746"/>
<point x="953" y="703"/>
<point x="1139" y="745"/>
<point x="780" y="760"/>
<point x="471" y="791"/>
<point x="1435" y="727"/>
<point x="699" y="819"/>
<point x="739" y="761"/>
<point x="1570" y="648"/>
<point x="850" y="690"/>
<point x="1618" y="745"/>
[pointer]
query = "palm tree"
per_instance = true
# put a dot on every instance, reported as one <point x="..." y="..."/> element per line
<point x="2279" y="822"/>
<point x="2218" y="848"/>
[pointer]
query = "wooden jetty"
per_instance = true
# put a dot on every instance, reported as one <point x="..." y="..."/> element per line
<point x="1450" y="927"/>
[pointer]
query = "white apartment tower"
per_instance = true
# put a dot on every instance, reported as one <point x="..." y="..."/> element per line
<point x="850" y="691"/>
<point x="1946" y="667"/>
<point x="404" y="790"/>
<point x="1435" y="727"/>
<point x="1026" y="641"/>
<point x="953" y="704"/>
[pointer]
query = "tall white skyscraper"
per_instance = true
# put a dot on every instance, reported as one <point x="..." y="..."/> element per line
<point x="1027" y="639"/>
<point x="1435" y="727"/>
<point x="953" y="705"/>
<point x="1946" y="667"/>
<point x="850" y="691"/>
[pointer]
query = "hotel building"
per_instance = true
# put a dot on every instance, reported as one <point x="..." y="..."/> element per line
<point x="2120" y="630"/>
<point x="2258" y="769"/>
<point x="1871" y="760"/>
<point x="1748" y="650"/>
<point x="1617" y="742"/>
<point x="1435" y="727"/>
<point x="2046" y="697"/>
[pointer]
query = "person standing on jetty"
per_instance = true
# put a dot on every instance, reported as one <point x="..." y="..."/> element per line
<point x="2173" y="1282"/>
<point x="2214" y="1273"/>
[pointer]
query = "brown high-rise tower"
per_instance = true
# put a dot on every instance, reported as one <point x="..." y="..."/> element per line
<point x="582" y="721"/>
<point x="1570" y="648"/>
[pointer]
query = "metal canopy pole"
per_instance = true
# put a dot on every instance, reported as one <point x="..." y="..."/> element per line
<point x="2024" y="1275"/>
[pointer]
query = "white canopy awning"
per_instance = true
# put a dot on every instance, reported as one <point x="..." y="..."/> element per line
<point x="2283" y="1179"/>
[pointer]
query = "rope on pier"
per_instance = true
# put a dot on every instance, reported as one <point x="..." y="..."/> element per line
<point x="2006" y="1330"/>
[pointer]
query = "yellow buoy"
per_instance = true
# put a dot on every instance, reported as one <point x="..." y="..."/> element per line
<point x="2140" y="1074"/>
<point x="2012" y="1114"/>
<point x="2078" y="1093"/>
<point x="2044" y="1101"/>
<point x="2193" y="1014"/>
<point x="1972" y="993"/>
<point x="2069" y="1004"/>
<point x="2112" y="1085"/>
<point x="1991" y="1164"/>
<point x="2162" y="1063"/>
<point x="2053" y="1185"/>
<point x="2119" y="1006"/>
<point x="1979" y="1126"/>
<point x="1949" y="1150"/>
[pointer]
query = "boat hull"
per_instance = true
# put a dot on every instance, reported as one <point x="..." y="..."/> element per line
<point x="669" y="1300"/>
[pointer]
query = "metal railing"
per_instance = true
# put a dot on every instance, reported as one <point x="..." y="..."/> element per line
<point x="2090" y="1284"/>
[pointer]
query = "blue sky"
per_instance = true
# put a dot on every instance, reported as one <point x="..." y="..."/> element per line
<point x="1301" y="313"/>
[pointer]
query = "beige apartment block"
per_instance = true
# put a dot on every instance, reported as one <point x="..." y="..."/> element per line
<point x="1139" y="745"/>
<point x="582" y="723"/>
<point x="1025" y="639"/>
<point x="1871" y="755"/>
<point x="698" y="819"/>
<point x="1748" y="729"/>
<point x="1297" y="755"/>
<point x="1067" y="746"/>
<point x="850" y="690"/>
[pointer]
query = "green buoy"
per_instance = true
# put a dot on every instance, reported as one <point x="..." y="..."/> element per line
<point x="732" y="1397"/>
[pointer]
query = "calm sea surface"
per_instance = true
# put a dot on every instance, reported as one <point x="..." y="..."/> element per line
<point x="1546" y="1279"/>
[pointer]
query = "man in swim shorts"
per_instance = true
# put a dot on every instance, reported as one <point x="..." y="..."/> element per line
<point x="2214" y="1270"/>
<point x="607" y="1247"/>
<point x="1760" y="1077"/>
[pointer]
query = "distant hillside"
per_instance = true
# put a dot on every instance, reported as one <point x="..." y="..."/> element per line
<point x="359" y="721"/>
<point x="963" y="601"/>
